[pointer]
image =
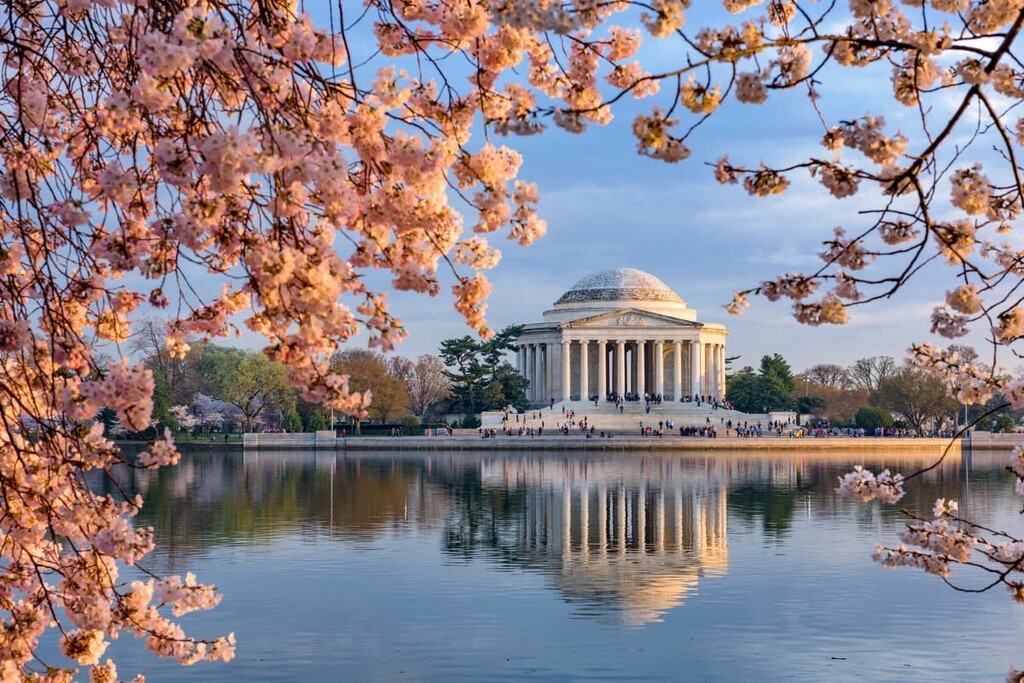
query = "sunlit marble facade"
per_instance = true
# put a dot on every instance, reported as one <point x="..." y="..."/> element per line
<point x="621" y="331"/>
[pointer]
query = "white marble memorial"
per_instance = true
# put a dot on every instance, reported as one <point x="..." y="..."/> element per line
<point x="620" y="332"/>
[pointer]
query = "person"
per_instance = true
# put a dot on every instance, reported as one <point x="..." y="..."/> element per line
<point x="552" y="404"/>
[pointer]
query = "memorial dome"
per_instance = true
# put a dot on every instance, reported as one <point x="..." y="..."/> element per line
<point x="618" y="289"/>
<point x="619" y="284"/>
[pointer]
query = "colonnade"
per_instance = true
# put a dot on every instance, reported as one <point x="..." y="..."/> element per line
<point x="601" y="519"/>
<point x="601" y="367"/>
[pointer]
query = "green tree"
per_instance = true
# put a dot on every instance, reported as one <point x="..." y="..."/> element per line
<point x="744" y="390"/>
<point x="511" y="389"/>
<point x="776" y="369"/>
<point x="249" y="381"/>
<point x="815" y="405"/>
<point x="494" y="349"/>
<point x="869" y="419"/>
<point x="317" y="421"/>
<point x="466" y="372"/>
<point x="292" y="422"/>
<point x="918" y="397"/>
<point x="480" y="379"/>
<point x="760" y="392"/>
<point x="1004" y="423"/>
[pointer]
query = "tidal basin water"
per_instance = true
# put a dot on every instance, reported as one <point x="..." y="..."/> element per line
<point x="569" y="567"/>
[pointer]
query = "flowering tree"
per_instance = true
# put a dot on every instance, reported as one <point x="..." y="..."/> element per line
<point x="153" y="151"/>
<point x="183" y="414"/>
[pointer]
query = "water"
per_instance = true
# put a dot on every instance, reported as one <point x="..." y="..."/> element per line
<point x="567" y="567"/>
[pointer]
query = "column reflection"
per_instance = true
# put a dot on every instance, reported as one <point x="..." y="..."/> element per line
<point x="619" y="542"/>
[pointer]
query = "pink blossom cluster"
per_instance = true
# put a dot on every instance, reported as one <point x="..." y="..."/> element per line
<point x="865" y="486"/>
<point x="972" y="384"/>
<point x="654" y="139"/>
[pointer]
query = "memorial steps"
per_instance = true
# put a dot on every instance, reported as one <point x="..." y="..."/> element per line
<point x="605" y="416"/>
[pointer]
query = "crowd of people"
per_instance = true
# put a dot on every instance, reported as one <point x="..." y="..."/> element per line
<point x="515" y="424"/>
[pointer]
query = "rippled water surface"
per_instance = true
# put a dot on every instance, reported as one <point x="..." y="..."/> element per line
<point x="625" y="567"/>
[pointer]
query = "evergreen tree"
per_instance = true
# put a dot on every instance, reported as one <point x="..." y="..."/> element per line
<point x="292" y="422"/>
<point x="480" y="378"/>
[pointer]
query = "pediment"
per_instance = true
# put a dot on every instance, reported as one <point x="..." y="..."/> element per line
<point x="630" y="317"/>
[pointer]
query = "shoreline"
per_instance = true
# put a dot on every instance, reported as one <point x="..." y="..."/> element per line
<point x="977" y="443"/>
<point x="460" y="442"/>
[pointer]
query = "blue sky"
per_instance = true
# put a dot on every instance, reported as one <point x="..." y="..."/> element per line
<point x="607" y="207"/>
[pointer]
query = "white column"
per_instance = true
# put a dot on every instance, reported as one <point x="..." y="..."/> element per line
<point x="677" y="519"/>
<point x="521" y="360"/>
<point x="566" y="377"/>
<point x="620" y="367"/>
<point x="641" y="366"/>
<point x="659" y="520"/>
<point x="713" y="370"/>
<point x="584" y="520"/>
<point x="567" y="522"/>
<point x="584" y="370"/>
<point x="545" y="373"/>
<point x="535" y="378"/>
<point x="705" y="363"/>
<point x="659" y="367"/>
<point x="722" y="376"/>
<point x="641" y="519"/>
<point x="539" y="370"/>
<point x="620" y="518"/>
<point x="677" y="370"/>
<point x="602" y="369"/>
<point x="531" y="376"/>
<point x="695" y="367"/>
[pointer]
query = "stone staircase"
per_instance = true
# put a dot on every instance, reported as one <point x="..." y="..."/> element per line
<point x="606" y="417"/>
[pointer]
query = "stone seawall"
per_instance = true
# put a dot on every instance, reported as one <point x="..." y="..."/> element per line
<point x="558" y="442"/>
<point x="983" y="441"/>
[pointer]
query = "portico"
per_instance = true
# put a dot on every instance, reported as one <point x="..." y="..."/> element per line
<point x="622" y="333"/>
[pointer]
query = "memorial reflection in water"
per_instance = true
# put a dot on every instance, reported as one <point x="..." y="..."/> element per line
<point x="622" y="538"/>
<point x="569" y="566"/>
<point x="616" y="538"/>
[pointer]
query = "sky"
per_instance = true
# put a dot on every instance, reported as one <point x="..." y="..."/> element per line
<point x="607" y="207"/>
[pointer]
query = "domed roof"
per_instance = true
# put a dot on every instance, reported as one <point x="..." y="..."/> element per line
<point x="620" y="284"/>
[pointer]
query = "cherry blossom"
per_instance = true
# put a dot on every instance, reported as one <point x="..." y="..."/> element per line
<point x="290" y="156"/>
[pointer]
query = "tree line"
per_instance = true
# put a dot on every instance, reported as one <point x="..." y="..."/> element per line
<point x="219" y="388"/>
<point x="872" y="392"/>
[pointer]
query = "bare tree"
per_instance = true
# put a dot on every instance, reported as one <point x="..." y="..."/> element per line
<point x="427" y="384"/>
<point x="181" y="373"/>
<point x="869" y="373"/>
<point x="828" y="375"/>
<point x="400" y="367"/>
